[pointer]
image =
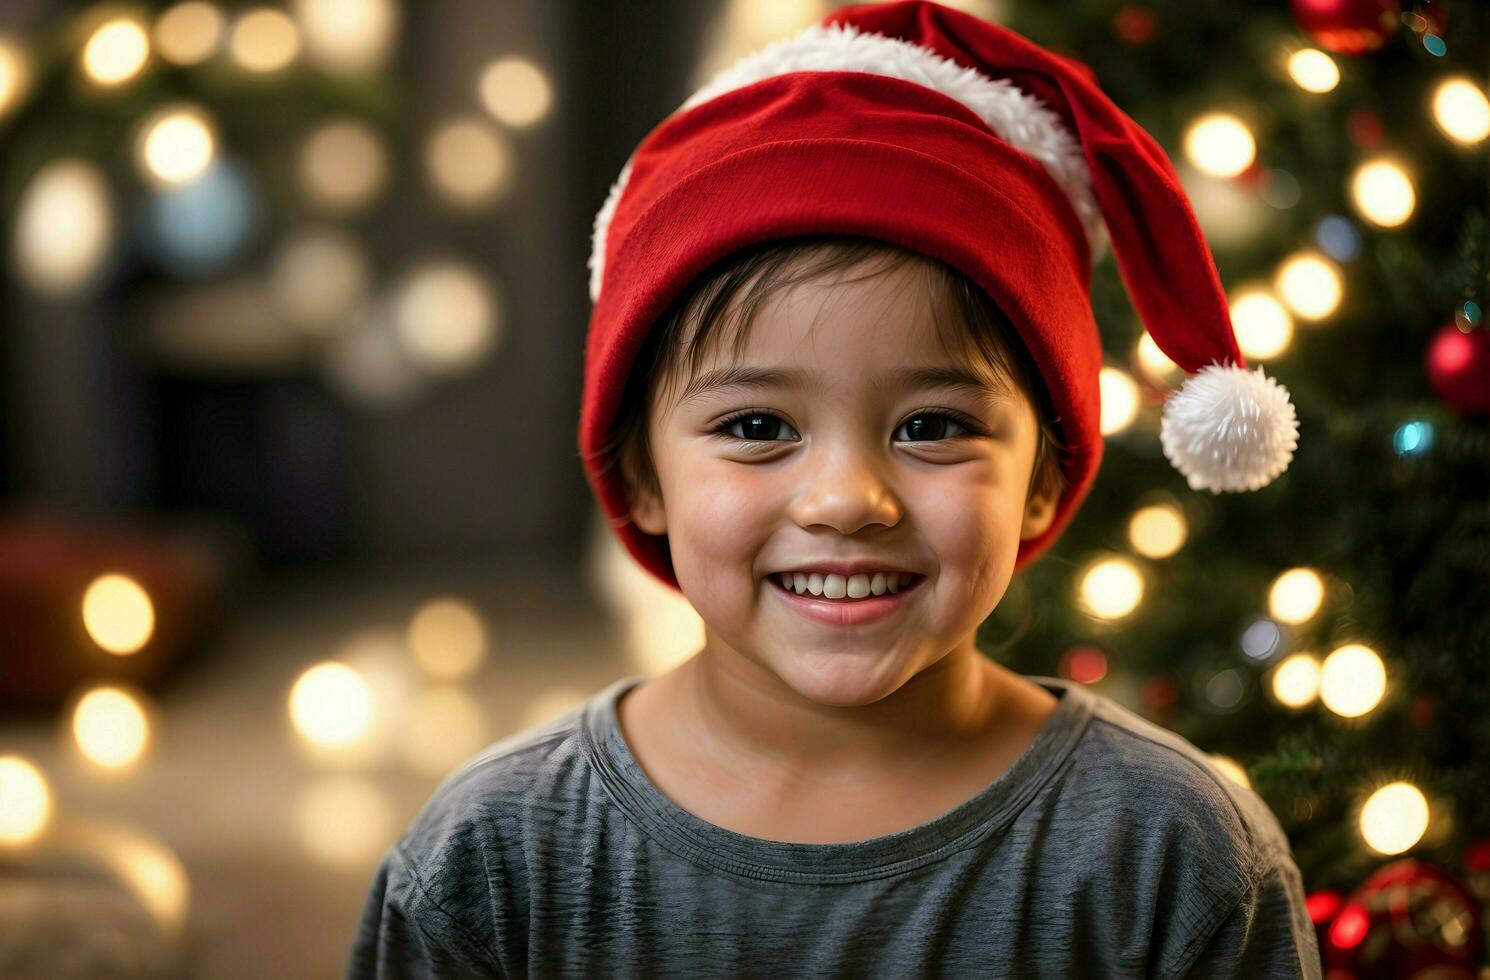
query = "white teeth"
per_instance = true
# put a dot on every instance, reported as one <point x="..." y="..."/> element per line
<point x="831" y="586"/>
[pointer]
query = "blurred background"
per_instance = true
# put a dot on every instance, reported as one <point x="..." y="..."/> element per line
<point x="292" y="520"/>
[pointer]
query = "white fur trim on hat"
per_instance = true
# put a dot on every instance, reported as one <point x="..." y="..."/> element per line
<point x="1020" y="119"/>
<point x="1229" y="429"/>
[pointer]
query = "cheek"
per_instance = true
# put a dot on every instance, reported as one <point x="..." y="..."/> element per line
<point x="726" y="517"/>
<point x="972" y="526"/>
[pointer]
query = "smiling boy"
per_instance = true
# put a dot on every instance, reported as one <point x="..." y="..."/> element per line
<point x="842" y="331"/>
<point x="800" y="720"/>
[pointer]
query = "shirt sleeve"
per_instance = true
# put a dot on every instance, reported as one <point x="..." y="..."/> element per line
<point x="405" y="932"/>
<point x="1268" y="933"/>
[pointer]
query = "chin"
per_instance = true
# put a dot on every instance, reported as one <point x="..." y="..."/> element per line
<point x="843" y="679"/>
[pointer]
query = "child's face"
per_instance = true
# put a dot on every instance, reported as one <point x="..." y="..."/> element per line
<point x="831" y="470"/>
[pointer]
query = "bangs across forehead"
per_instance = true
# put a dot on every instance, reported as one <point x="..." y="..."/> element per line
<point x="722" y="312"/>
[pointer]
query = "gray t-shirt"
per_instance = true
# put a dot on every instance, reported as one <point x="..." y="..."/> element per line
<point x="1111" y="848"/>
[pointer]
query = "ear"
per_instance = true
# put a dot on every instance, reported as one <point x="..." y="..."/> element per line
<point x="1038" y="514"/>
<point x="647" y="512"/>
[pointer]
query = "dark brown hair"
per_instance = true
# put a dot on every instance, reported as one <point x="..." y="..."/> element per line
<point x="978" y="322"/>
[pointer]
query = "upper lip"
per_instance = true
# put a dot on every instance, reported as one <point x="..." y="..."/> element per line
<point x="847" y="568"/>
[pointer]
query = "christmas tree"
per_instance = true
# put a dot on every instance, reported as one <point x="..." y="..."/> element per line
<point x="1322" y="637"/>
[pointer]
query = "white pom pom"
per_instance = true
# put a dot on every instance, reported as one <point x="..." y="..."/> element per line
<point x="1228" y="429"/>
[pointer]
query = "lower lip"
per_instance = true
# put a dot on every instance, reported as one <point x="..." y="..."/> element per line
<point x="847" y="612"/>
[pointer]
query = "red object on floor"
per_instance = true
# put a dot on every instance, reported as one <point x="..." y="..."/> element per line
<point x="46" y="566"/>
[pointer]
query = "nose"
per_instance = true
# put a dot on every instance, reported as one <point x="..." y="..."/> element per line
<point x="846" y="490"/>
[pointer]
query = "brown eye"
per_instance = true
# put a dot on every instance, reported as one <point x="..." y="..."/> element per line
<point x="754" y="426"/>
<point x="935" y="426"/>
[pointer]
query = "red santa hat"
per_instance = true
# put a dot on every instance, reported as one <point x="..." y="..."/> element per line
<point x="925" y="127"/>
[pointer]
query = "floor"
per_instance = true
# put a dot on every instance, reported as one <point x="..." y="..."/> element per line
<point x="274" y="843"/>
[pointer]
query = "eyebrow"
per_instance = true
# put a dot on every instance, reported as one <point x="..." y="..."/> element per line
<point x="947" y="377"/>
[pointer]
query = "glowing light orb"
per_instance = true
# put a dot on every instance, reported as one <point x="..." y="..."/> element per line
<point x="1394" y="818"/>
<point x="118" y="613"/>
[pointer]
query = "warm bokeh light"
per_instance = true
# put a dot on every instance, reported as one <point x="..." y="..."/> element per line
<point x="343" y="821"/>
<point x="365" y="362"/>
<point x="1220" y="144"/>
<point x="468" y="162"/>
<point x="116" y="51"/>
<point x="447" y="639"/>
<point x="1462" y="111"/>
<point x="1313" y="71"/>
<point x="15" y="74"/>
<point x="1157" y="531"/>
<point x="175" y="145"/>
<point x="149" y="869"/>
<point x="1310" y="284"/>
<point x="118" y="613"/>
<point x="1394" y="818"/>
<point x="317" y="277"/>
<point x="1382" y="192"/>
<point x="1352" y="680"/>
<point x="1119" y="395"/>
<point x="1110" y="588"/>
<point x="189" y="33"/>
<point x="1154" y="362"/>
<point x="63" y="228"/>
<point x="515" y="91"/>
<point x="661" y="627"/>
<point x="1295" y="680"/>
<point x="445" y="316"/>
<point x="264" y="40"/>
<point x="332" y="705"/>
<point x="1296" y="596"/>
<point x="25" y="801"/>
<point x="342" y="165"/>
<point x="1262" y="325"/>
<point x="110" y="727"/>
<point x="442" y="727"/>
<point x="1230" y="768"/>
<point x="348" y="35"/>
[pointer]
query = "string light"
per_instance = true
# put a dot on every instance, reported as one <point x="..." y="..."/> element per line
<point x="1462" y="111"/>
<point x="25" y="801"/>
<point x="1296" y="596"/>
<point x="1262" y="326"/>
<point x="264" y="40"/>
<point x="110" y="727"/>
<point x="1157" y="531"/>
<point x="342" y="165"/>
<point x="15" y="75"/>
<point x="1110" y="588"/>
<point x="1295" y="681"/>
<point x="1310" y="284"/>
<point x="188" y="33"/>
<point x="332" y="705"/>
<point x="1119" y="397"/>
<point x="63" y="228"/>
<point x="1352" y="680"/>
<point x="175" y="144"/>
<point x="468" y="163"/>
<point x="1220" y="144"/>
<point x="118" y="613"/>
<point x="1383" y="193"/>
<point x="515" y="91"/>
<point x="1313" y="70"/>
<point x="116" y="52"/>
<point x="1394" y="818"/>
<point x="447" y="638"/>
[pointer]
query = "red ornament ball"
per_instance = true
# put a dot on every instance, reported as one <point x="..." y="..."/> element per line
<point x="1134" y="25"/>
<point x="1458" y="368"/>
<point x="1407" y="917"/>
<point x="1348" y="26"/>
